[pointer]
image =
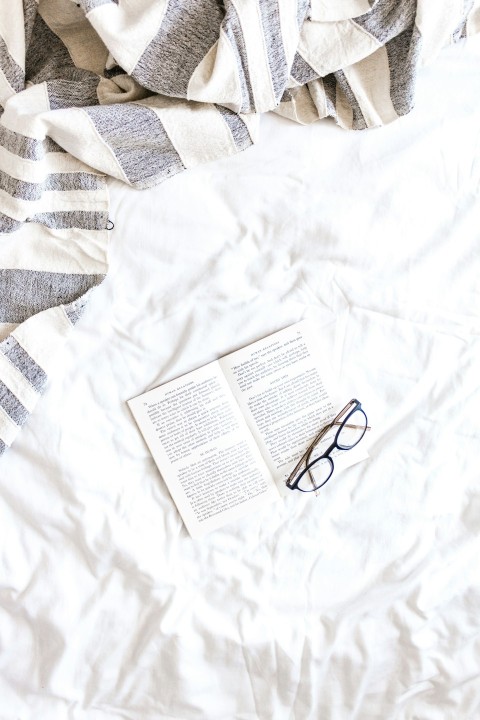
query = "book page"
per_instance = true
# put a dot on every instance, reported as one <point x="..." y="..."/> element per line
<point x="204" y="449"/>
<point x="283" y="386"/>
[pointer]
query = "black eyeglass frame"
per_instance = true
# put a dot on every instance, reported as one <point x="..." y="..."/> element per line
<point x="294" y="478"/>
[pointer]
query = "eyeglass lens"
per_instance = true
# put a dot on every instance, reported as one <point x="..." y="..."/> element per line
<point x="352" y="431"/>
<point x="316" y="476"/>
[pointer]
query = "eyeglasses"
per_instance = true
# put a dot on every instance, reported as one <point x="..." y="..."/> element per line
<point x="316" y="466"/>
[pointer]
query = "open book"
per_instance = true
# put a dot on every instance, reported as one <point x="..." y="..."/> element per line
<point x="226" y="436"/>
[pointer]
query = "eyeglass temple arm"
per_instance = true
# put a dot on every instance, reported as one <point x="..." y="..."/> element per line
<point x="348" y="425"/>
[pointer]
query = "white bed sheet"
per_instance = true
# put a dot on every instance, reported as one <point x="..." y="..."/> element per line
<point x="361" y="604"/>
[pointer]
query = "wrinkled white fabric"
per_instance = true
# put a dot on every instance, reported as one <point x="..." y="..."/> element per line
<point x="360" y="605"/>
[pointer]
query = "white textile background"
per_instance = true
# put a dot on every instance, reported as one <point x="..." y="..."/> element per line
<point x="362" y="604"/>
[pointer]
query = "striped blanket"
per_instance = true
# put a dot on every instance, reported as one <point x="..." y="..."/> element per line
<point x="142" y="90"/>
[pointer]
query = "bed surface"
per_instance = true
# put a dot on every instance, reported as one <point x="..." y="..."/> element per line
<point x="362" y="604"/>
